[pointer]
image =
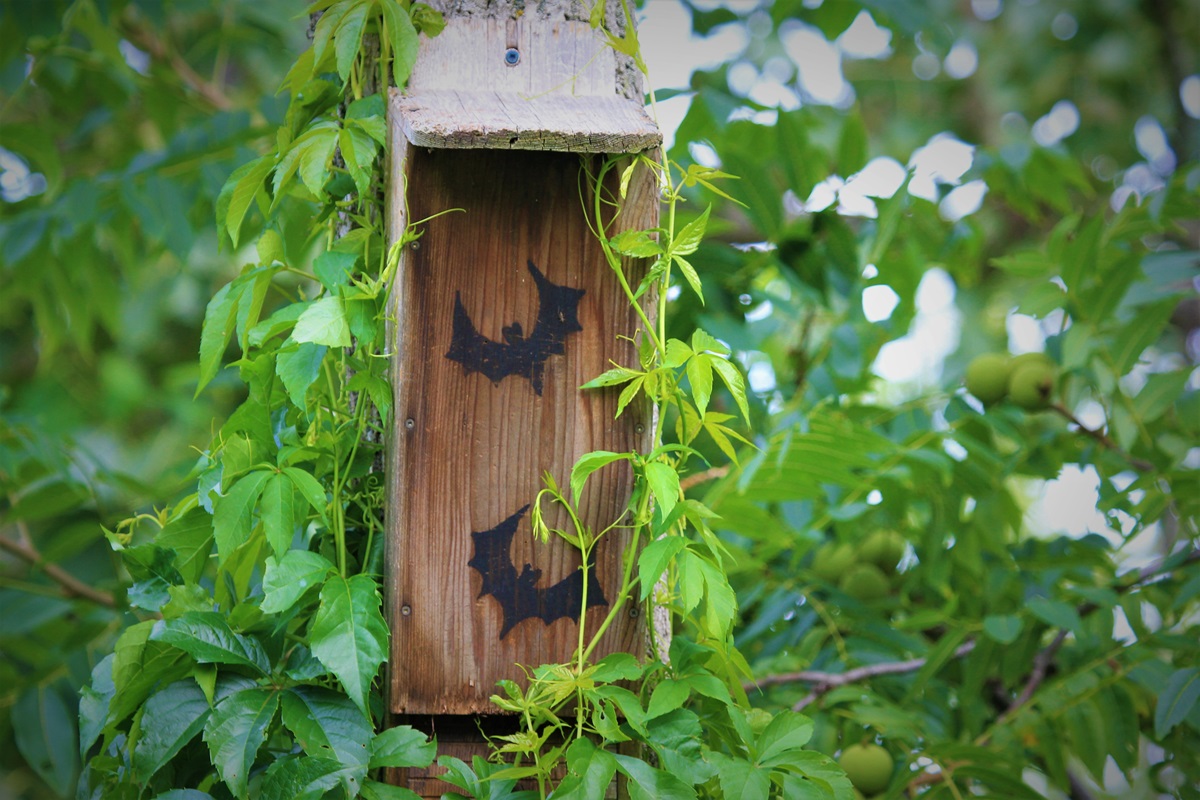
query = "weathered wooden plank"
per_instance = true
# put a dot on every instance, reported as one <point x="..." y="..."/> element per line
<point x="472" y="441"/>
<point x="566" y="91"/>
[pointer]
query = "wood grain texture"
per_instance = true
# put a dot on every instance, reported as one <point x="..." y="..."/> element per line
<point x="568" y="91"/>
<point x="468" y="452"/>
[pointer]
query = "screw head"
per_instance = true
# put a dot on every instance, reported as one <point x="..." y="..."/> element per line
<point x="634" y="611"/>
<point x="512" y="56"/>
<point x="410" y="423"/>
<point x="406" y="610"/>
<point x="639" y="429"/>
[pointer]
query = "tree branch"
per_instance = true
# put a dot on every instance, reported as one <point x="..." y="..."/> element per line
<point x="71" y="586"/>
<point x="700" y="477"/>
<point x="1103" y="438"/>
<point x="156" y="47"/>
<point x="824" y="682"/>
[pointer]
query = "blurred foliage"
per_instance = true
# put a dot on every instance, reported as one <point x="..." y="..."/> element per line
<point x="1041" y="664"/>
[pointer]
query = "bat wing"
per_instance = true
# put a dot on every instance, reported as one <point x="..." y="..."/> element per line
<point x="476" y="352"/>
<point x="493" y="561"/>
<point x="558" y="316"/>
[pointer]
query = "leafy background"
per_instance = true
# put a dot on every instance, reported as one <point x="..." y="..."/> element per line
<point x="1063" y="654"/>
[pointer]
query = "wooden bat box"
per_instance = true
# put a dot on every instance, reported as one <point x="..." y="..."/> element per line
<point x="501" y="309"/>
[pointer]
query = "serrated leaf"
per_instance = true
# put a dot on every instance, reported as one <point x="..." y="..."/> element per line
<point x="348" y="38"/>
<point x="629" y="392"/>
<point x="735" y="383"/>
<point x="589" y="463"/>
<point x="220" y="321"/>
<point x="327" y="725"/>
<point x="688" y="240"/>
<point x="403" y="39"/>
<point x="207" y="637"/>
<point x="349" y="635"/>
<point x="699" y="372"/>
<point x="652" y="562"/>
<point x="402" y="746"/>
<point x="173" y="716"/>
<point x="334" y="269"/>
<point x="664" y="483"/>
<point x="1056" y="613"/>
<point x="298" y="368"/>
<point x="1176" y="700"/>
<point x="1003" y="628"/>
<point x="324" y="322"/>
<point x="312" y="490"/>
<point x="233" y="520"/>
<point x="245" y="183"/>
<point x="1160" y="393"/>
<point x="638" y="244"/>
<point x="289" y="578"/>
<point x="278" y="509"/>
<point x="689" y="272"/>
<point x="235" y="731"/>
<point x="612" y="377"/>
<point x="45" y="733"/>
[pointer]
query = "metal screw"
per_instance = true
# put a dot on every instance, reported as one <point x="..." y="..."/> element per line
<point x="639" y="429"/>
<point x="634" y="611"/>
<point x="415" y="244"/>
<point x="512" y="56"/>
<point x="406" y="610"/>
<point x="410" y="423"/>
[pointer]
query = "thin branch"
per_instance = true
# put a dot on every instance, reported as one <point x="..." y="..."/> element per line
<point x="1103" y="438"/>
<point x="156" y="47"/>
<point x="827" y="681"/>
<point x="71" y="586"/>
<point x="1041" y="664"/>
<point x="700" y="477"/>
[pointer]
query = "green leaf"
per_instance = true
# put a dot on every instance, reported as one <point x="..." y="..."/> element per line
<point x="402" y="746"/>
<point x="289" y="578"/>
<point x="1141" y="332"/>
<point x="235" y="731"/>
<point x="243" y="185"/>
<point x="688" y="240"/>
<point x="374" y="790"/>
<point x="638" y="244"/>
<point x="741" y="780"/>
<point x="220" y="321"/>
<point x="612" y="377"/>
<point x="1160" y="393"/>
<point x="1003" y="628"/>
<point x="324" y="322"/>
<point x="664" y="482"/>
<point x="652" y="562"/>
<point x="349" y="635"/>
<point x="327" y="725"/>
<point x="1055" y="613"/>
<point x="138" y="667"/>
<point x="45" y="732"/>
<point x="666" y="697"/>
<point x="699" y="372"/>
<point x="735" y="383"/>
<point x="1176" y="700"/>
<point x="648" y="783"/>
<point x="190" y="535"/>
<point x="334" y="269"/>
<point x="589" y="463"/>
<point x="207" y="637"/>
<point x="278" y="512"/>
<point x="233" y="519"/>
<point x="302" y="778"/>
<point x="402" y="37"/>
<point x="298" y="368"/>
<point x="172" y="718"/>
<point x="689" y="272"/>
<point x="787" y="732"/>
<point x="348" y="38"/>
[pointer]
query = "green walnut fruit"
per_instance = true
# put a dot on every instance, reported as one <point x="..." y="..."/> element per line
<point x="1032" y="385"/>
<point x="1031" y="358"/>
<point x="865" y="583"/>
<point x="832" y="560"/>
<point x="987" y="377"/>
<point x="868" y="766"/>
<point x="884" y="549"/>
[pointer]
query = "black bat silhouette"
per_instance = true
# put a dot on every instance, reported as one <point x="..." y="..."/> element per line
<point x="518" y="594"/>
<point x="558" y="316"/>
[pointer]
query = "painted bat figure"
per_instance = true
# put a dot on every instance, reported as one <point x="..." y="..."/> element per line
<point x="518" y="593"/>
<point x="518" y="354"/>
